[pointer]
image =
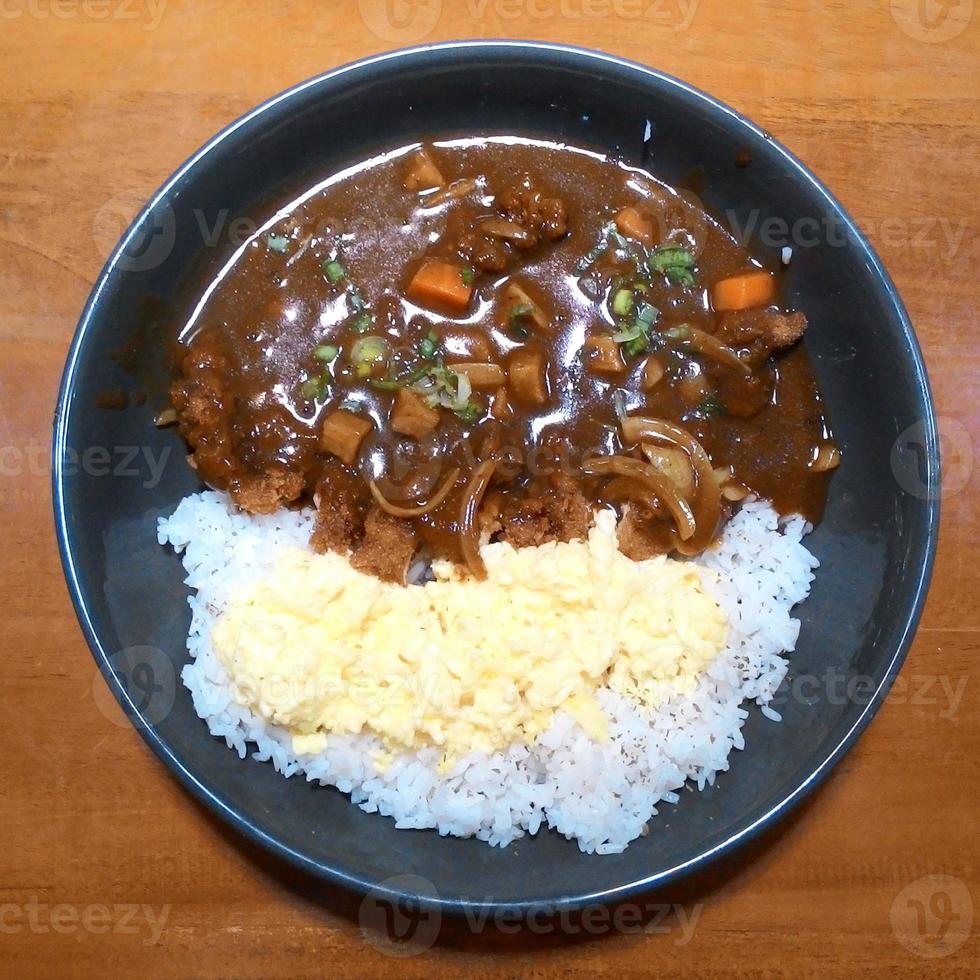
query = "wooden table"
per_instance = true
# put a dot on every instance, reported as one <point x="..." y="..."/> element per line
<point x="107" y="867"/>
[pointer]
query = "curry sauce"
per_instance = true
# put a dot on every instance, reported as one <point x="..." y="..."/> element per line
<point x="491" y="337"/>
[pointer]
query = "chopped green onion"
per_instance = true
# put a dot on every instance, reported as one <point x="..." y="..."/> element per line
<point x="468" y="275"/>
<point x="711" y="406"/>
<point x="350" y="405"/>
<point x="683" y="277"/>
<point x="363" y="321"/>
<point x="517" y="313"/>
<point x="368" y="351"/>
<point x="326" y="352"/>
<point x="637" y="345"/>
<point x="429" y="345"/>
<point x="333" y="270"/>
<point x="469" y="411"/>
<point x="622" y="302"/>
<point x="277" y="243"/>
<point x="356" y="299"/>
<point x="675" y="262"/>
<point x="668" y="255"/>
<point x="316" y="388"/>
<point x="647" y="314"/>
<point x="680" y="332"/>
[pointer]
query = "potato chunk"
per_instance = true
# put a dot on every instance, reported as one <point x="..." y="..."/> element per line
<point x="342" y="434"/>
<point x="480" y="374"/>
<point x="604" y="355"/>
<point x="421" y="172"/>
<point x="527" y="377"/>
<point x="411" y="416"/>
<point x="653" y="372"/>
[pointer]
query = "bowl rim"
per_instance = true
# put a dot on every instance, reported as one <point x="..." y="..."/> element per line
<point x="381" y="889"/>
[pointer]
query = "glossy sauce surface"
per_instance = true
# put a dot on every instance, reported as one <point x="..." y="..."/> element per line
<point x="249" y="346"/>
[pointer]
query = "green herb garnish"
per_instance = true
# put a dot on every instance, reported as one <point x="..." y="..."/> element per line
<point x="635" y="338"/>
<point x="468" y="275"/>
<point x="277" y="243"/>
<point x="517" y="314"/>
<point x="675" y="262"/>
<point x="326" y="352"/>
<point x="622" y="302"/>
<point x="710" y="405"/>
<point x="470" y="411"/>
<point x="333" y="270"/>
<point x="316" y="388"/>
<point x="429" y="345"/>
<point x="362" y="322"/>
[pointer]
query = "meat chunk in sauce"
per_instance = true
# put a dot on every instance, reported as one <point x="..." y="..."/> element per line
<point x="759" y="332"/>
<point x="640" y="535"/>
<point x="387" y="547"/>
<point x="553" y="510"/>
<point x="528" y="217"/>
<point x="315" y="324"/>
<point x="341" y="501"/>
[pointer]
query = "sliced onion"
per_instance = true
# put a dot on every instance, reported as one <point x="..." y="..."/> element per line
<point x="638" y="429"/>
<point x="472" y="498"/>
<point x="661" y="486"/>
<point x="437" y="498"/>
<point x="709" y="345"/>
<point x="623" y="489"/>
<point x="509" y="230"/>
<point x="674" y="464"/>
<point x="451" y="192"/>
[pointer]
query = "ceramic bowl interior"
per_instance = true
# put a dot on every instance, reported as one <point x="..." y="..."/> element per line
<point x="875" y="543"/>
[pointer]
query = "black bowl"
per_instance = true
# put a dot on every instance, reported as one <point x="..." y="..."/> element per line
<point x="115" y="474"/>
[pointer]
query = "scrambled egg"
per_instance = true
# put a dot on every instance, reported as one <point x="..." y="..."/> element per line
<point x="321" y="648"/>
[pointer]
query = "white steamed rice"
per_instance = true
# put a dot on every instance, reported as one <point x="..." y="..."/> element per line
<point x="602" y="795"/>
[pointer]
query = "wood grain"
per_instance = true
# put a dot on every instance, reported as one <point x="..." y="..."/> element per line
<point x="100" y="101"/>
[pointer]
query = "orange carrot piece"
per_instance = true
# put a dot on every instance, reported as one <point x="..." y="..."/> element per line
<point x="440" y="282"/>
<point x="755" y="288"/>
<point x="632" y="224"/>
